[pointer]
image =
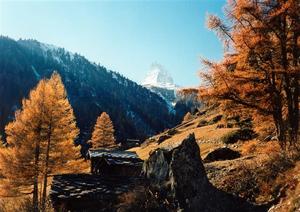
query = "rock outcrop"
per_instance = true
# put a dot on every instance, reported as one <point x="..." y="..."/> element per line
<point x="178" y="175"/>
<point x="223" y="153"/>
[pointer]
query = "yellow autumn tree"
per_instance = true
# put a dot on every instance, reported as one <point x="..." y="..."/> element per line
<point x="1" y="142"/>
<point x="188" y="116"/>
<point x="40" y="139"/>
<point x="103" y="134"/>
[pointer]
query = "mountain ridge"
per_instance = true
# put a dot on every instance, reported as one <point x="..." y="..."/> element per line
<point x="91" y="89"/>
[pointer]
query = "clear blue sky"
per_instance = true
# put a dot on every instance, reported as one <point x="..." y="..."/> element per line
<point x="124" y="36"/>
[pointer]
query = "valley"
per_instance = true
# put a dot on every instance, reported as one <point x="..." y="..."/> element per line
<point x="151" y="106"/>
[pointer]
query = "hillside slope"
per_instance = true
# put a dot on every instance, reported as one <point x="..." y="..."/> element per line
<point x="249" y="167"/>
<point x="92" y="89"/>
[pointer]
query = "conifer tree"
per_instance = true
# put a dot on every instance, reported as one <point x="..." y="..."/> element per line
<point x="60" y="130"/>
<point x="103" y="134"/>
<point x="41" y="138"/>
<point x="260" y="70"/>
<point x="187" y="117"/>
<point x="1" y="142"/>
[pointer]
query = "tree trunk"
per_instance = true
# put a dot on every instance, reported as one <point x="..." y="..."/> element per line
<point x="35" y="199"/>
<point x="278" y="119"/>
<point x="294" y="117"/>
<point x="44" y="195"/>
<point x="295" y="86"/>
<point x="280" y="129"/>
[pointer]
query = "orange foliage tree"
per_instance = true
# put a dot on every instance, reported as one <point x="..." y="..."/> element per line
<point x="40" y="139"/>
<point x="103" y="134"/>
<point x="260" y="68"/>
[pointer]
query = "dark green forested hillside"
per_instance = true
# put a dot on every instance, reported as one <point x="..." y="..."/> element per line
<point x="92" y="89"/>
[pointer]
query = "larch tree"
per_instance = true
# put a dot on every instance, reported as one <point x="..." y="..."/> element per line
<point x="60" y="130"/>
<point x="1" y="142"/>
<point x="260" y="70"/>
<point x="188" y="116"/>
<point x="41" y="139"/>
<point x="103" y="134"/>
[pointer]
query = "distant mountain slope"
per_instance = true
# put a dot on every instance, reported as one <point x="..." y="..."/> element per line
<point x="92" y="89"/>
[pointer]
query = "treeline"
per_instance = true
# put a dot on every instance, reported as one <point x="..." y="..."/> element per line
<point x="259" y="73"/>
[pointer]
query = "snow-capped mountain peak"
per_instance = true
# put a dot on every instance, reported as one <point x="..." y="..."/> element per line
<point x="158" y="77"/>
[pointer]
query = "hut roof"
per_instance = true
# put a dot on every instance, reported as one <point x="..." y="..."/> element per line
<point x="112" y="154"/>
<point x="86" y="186"/>
<point x="123" y="161"/>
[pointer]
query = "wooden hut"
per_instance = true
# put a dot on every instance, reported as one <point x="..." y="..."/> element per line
<point x="115" y="162"/>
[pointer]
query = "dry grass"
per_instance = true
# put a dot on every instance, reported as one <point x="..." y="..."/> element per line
<point x="208" y="137"/>
<point x="291" y="200"/>
<point x="11" y="200"/>
<point x="20" y="204"/>
<point x="249" y="147"/>
<point x="256" y="147"/>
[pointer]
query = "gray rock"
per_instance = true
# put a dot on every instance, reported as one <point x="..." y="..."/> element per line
<point x="179" y="176"/>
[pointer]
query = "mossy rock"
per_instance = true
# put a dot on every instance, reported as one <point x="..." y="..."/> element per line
<point x="220" y="154"/>
<point x="243" y="134"/>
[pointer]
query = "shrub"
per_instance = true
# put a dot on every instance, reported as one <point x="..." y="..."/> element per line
<point x="229" y="125"/>
<point x="215" y="119"/>
<point x="241" y="134"/>
<point x="220" y="126"/>
<point x="202" y="123"/>
<point x="142" y="199"/>
<point x="163" y="138"/>
<point x="249" y="147"/>
<point x="246" y="123"/>
<point x="172" y="131"/>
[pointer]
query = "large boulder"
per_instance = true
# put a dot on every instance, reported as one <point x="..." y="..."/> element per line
<point x="223" y="153"/>
<point x="178" y="175"/>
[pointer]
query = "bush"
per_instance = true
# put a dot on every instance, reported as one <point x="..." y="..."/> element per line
<point x="202" y="123"/>
<point x="246" y="123"/>
<point x="215" y="119"/>
<point x="236" y="121"/>
<point x="220" y="126"/>
<point x="229" y="125"/>
<point x="241" y="134"/>
<point x="172" y="131"/>
<point x="163" y="138"/>
<point x="142" y="199"/>
<point x="249" y="147"/>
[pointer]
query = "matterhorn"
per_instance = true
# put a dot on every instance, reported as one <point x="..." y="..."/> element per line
<point x="159" y="81"/>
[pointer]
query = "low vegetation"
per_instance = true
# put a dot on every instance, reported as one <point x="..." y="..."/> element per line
<point x="243" y="134"/>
